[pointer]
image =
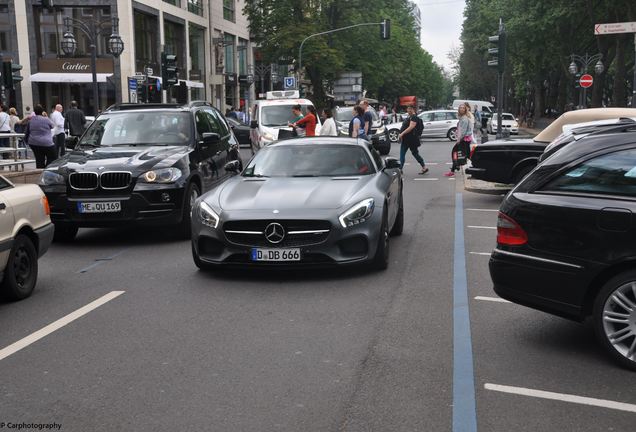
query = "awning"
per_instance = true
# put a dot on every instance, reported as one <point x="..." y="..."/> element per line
<point x="68" y="77"/>
<point x="195" y="84"/>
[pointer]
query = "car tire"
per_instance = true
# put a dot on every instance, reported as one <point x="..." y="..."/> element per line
<point x="381" y="258"/>
<point x="197" y="261"/>
<point x="452" y="134"/>
<point x="394" y="135"/>
<point x="64" y="233"/>
<point x="398" y="225"/>
<point x="21" y="272"/>
<point x="520" y="173"/>
<point x="192" y="193"/>
<point x="614" y="301"/>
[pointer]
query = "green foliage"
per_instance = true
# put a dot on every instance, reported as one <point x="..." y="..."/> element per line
<point x="395" y="67"/>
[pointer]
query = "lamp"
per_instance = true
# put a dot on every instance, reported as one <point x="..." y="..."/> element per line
<point x="573" y="69"/>
<point x="69" y="44"/>
<point x="599" y="67"/>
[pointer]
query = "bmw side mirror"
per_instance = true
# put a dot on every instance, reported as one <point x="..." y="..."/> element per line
<point x="391" y="163"/>
<point x="232" y="166"/>
<point x="254" y="124"/>
<point x="210" y="138"/>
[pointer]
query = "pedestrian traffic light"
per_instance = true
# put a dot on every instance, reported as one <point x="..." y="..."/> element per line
<point x="577" y="80"/>
<point x="10" y="74"/>
<point x="497" y="51"/>
<point x="385" y="29"/>
<point x="169" y="70"/>
<point x="142" y="94"/>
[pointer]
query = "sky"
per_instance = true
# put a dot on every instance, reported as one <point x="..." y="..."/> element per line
<point x="441" y="27"/>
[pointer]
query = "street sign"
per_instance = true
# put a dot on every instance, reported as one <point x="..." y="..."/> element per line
<point x="290" y="82"/>
<point x="140" y="77"/>
<point x="132" y="84"/>
<point x="615" y="28"/>
<point x="586" y="80"/>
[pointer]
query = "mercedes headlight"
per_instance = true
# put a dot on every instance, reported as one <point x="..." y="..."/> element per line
<point x="163" y="175"/>
<point x="208" y="216"/>
<point x="50" y="178"/>
<point x="358" y="213"/>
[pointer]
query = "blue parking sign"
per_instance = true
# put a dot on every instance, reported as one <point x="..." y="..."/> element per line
<point x="132" y="84"/>
<point x="290" y="82"/>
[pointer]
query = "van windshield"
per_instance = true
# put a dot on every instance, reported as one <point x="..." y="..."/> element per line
<point x="279" y="115"/>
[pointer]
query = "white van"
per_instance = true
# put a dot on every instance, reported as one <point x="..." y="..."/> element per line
<point x="486" y="108"/>
<point x="271" y="115"/>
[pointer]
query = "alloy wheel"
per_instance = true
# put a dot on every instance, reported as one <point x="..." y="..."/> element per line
<point x="452" y="134"/>
<point x="619" y="320"/>
<point x="394" y="135"/>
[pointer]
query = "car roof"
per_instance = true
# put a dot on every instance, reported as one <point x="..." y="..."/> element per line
<point x="593" y="126"/>
<point x="585" y="115"/>
<point x="320" y="140"/>
<point x="265" y="102"/>
<point x="595" y="142"/>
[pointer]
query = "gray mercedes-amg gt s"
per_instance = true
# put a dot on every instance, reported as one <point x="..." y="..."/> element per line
<point x="302" y="202"/>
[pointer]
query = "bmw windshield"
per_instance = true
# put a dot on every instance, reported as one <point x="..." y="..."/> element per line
<point x="129" y="128"/>
<point x="307" y="160"/>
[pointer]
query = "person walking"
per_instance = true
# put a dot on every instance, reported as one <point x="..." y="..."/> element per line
<point x="38" y="137"/>
<point x="478" y="122"/>
<point x="309" y="121"/>
<point x="368" y="117"/>
<point x="59" y="137"/>
<point x="74" y="120"/>
<point x="356" y="125"/>
<point x="464" y="137"/>
<point x="5" y="127"/>
<point x="329" y="126"/>
<point x="297" y="116"/>
<point x="410" y="140"/>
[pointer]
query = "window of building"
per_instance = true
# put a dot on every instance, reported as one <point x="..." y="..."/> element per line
<point x="146" y="41"/>
<point x="609" y="174"/>
<point x="197" y="60"/>
<point x="196" y="7"/>
<point x="174" y="42"/>
<point x="228" y="10"/>
<point x="177" y="3"/>
<point x="242" y="57"/>
<point x="229" y="54"/>
<point x="5" y="24"/>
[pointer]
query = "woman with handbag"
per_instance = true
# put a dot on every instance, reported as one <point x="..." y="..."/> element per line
<point x="464" y="138"/>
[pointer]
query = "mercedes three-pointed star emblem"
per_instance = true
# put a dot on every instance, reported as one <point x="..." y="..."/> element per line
<point x="274" y="233"/>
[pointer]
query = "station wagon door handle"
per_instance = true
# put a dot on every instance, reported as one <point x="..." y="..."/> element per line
<point x="614" y="219"/>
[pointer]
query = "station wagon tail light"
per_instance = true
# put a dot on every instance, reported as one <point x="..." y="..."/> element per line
<point x="509" y="232"/>
<point x="45" y="205"/>
<point x="472" y="150"/>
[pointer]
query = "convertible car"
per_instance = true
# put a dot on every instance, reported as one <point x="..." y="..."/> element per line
<point x="315" y="201"/>
<point x="510" y="160"/>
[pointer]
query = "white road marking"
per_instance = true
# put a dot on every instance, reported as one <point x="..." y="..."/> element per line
<point x="491" y="299"/>
<point x="482" y="210"/>
<point x="426" y="179"/>
<point x="603" y="403"/>
<point x="481" y="253"/>
<point x="45" y="331"/>
<point x="449" y="163"/>
<point x="482" y="227"/>
<point x="451" y="178"/>
<point x="432" y="163"/>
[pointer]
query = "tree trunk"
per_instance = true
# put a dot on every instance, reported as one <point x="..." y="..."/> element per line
<point x="619" y="97"/>
<point x="538" y="100"/>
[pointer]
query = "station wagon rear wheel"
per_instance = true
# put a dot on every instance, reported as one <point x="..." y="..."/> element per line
<point x="394" y="135"/>
<point x="614" y="318"/>
<point x="21" y="272"/>
<point x="452" y="134"/>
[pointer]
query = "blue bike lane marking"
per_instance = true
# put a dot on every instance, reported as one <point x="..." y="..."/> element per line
<point x="464" y="411"/>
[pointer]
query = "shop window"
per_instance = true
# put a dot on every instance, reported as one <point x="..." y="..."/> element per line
<point x="3" y="41"/>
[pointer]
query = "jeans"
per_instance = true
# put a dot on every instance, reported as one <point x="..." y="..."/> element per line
<point x="414" y="151"/>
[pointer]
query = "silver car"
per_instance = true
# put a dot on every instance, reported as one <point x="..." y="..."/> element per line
<point x="438" y="123"/>
<point x="317" y="201"/>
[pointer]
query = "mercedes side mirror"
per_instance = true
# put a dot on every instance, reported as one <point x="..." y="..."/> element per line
<point x="232" y="166"/>
<point x="210" y="138"/>
<point x="254" y="124"/>
<point x="391" y="163"/>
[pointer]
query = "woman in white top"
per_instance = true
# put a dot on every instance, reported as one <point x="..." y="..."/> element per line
<point x="329" y="126"/>
<point x="5" y="127"/>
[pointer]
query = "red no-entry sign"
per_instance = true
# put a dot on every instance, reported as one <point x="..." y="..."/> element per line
<point x="586" y="81"/>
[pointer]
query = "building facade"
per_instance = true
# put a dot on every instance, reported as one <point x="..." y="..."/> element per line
<point x="210" y="39"/>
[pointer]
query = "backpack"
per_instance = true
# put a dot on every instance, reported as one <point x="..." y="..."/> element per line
<point x="419" y="127"/>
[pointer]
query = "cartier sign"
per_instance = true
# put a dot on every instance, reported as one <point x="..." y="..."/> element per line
<point x="75" y="65"/>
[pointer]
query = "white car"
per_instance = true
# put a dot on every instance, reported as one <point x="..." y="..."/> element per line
<point x="26" y="232"/>
<point x="438" y="123"/>
<point x="508" y="122"/>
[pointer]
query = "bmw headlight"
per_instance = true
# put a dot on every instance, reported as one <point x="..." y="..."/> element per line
<point x="50" y="178"/>
<point x="208" y="216"/>
<point x="515" y="124"/>
<point x="358" y="213"/>
<point x="163" y="175"/>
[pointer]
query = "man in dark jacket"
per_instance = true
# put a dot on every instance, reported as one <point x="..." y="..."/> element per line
<point x="74" y="120"/>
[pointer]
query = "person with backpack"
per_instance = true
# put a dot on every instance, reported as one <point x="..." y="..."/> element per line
<point x="464" y="139"/>
<point x="410" y="134"/>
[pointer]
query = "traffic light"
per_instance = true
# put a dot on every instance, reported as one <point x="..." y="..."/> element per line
<point x="154" y="90"/>
<point x="169" y="70"/>
<point x="142" y="94"/>
<point x="10" y="74"/>
<point x="497" y="51"/>
<point x="385" y="29"/>
<point x="577" y="80"/>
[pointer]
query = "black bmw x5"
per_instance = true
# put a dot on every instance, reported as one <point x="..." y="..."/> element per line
<point x="140" y="164"/>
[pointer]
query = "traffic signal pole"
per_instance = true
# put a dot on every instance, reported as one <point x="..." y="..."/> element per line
<point x="499" y="61"/>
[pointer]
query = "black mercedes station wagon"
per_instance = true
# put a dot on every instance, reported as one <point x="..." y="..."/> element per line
<point x="140" y="164"/>
<point x="566" y="238"/>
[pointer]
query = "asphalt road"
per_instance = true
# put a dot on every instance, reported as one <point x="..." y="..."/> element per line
<point x="175" y="349"/>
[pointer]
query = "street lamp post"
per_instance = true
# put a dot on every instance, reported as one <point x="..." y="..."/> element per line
<point x="93" y="30"/>
<point x="585" y="62"/>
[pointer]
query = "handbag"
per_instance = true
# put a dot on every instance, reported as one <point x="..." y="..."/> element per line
<point x="468" y="138"/>
<point x="459" y="155"/>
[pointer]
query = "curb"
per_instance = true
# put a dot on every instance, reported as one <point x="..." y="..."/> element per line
<point x="482" y="187"/>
